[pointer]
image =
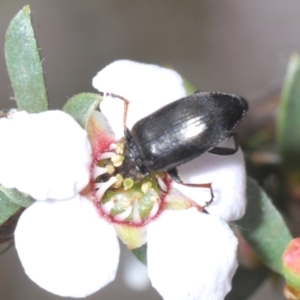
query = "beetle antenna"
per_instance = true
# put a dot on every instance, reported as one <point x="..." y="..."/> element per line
<point x="126" y="103"/>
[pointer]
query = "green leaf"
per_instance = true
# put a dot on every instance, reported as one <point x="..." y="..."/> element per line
<point x="141" y="254"/>
<point x="7" y="229"/>
<point x="81" y="106"/>
<point x="263" y="227"/>
<point x="7" y="208"/>
<point x="189" y="87"/>
<point x="17" y="197"/>
<point x="289" y="116"/>
<point x="24" y="64"/>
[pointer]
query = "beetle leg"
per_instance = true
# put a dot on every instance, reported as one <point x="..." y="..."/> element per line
<point x="174" y="174"/>
<point x="226" y="151"/>
<point x="126" y="103"/>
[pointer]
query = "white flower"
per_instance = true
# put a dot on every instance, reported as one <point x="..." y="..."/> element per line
<point x="38" y="152"/>
<point x="48" y="156"/>
<point x="191" y="255"/>
<point x="184" y="257"/>
<point x="67" y="248"/>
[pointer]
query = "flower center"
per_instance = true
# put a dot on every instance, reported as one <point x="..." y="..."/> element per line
<point x="123" y="194"/>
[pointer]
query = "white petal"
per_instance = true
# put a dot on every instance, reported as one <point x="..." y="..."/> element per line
<point x="147" y="87"/>
<point x="46" y="155"/>
<point x="191" y="256"/>
<point x="227" y="175"/>
<point x="66" y="247"/>
<point x="135" y="274"/>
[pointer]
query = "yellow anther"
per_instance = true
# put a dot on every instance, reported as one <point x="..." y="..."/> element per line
<point x="119" y="181"/>
<point x="120" y="148"/>
<point x="117" y="160"/>
<point x="110" y="169"/>
<point x="146" y="186"/>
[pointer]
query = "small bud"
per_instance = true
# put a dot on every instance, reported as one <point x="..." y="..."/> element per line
<point x="291" y="264"/>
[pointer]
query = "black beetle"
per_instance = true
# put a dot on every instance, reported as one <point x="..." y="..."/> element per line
<point x="181" y="131"/>
<point x="171" y="136"/>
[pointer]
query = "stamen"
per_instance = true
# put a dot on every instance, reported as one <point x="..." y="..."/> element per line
<point x="103" y="187"/>
<point x="136" y="214"/>
<point x="108" y="206"/>
<point x="154" y="199"/>
<point x="125" y="214"/>
<point x="117" y="160"/>
<point x="106" y="155"/>
<point x="161" y="184"/>
<point x="110" y="169"/>
<point x="146" y="186"/>
<point x="98" y="171"/>
<point x="120" y="148"/>
<point x="119" y="181"/>
<point x="154" y="210"/>
<point x="112" y="147"/>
